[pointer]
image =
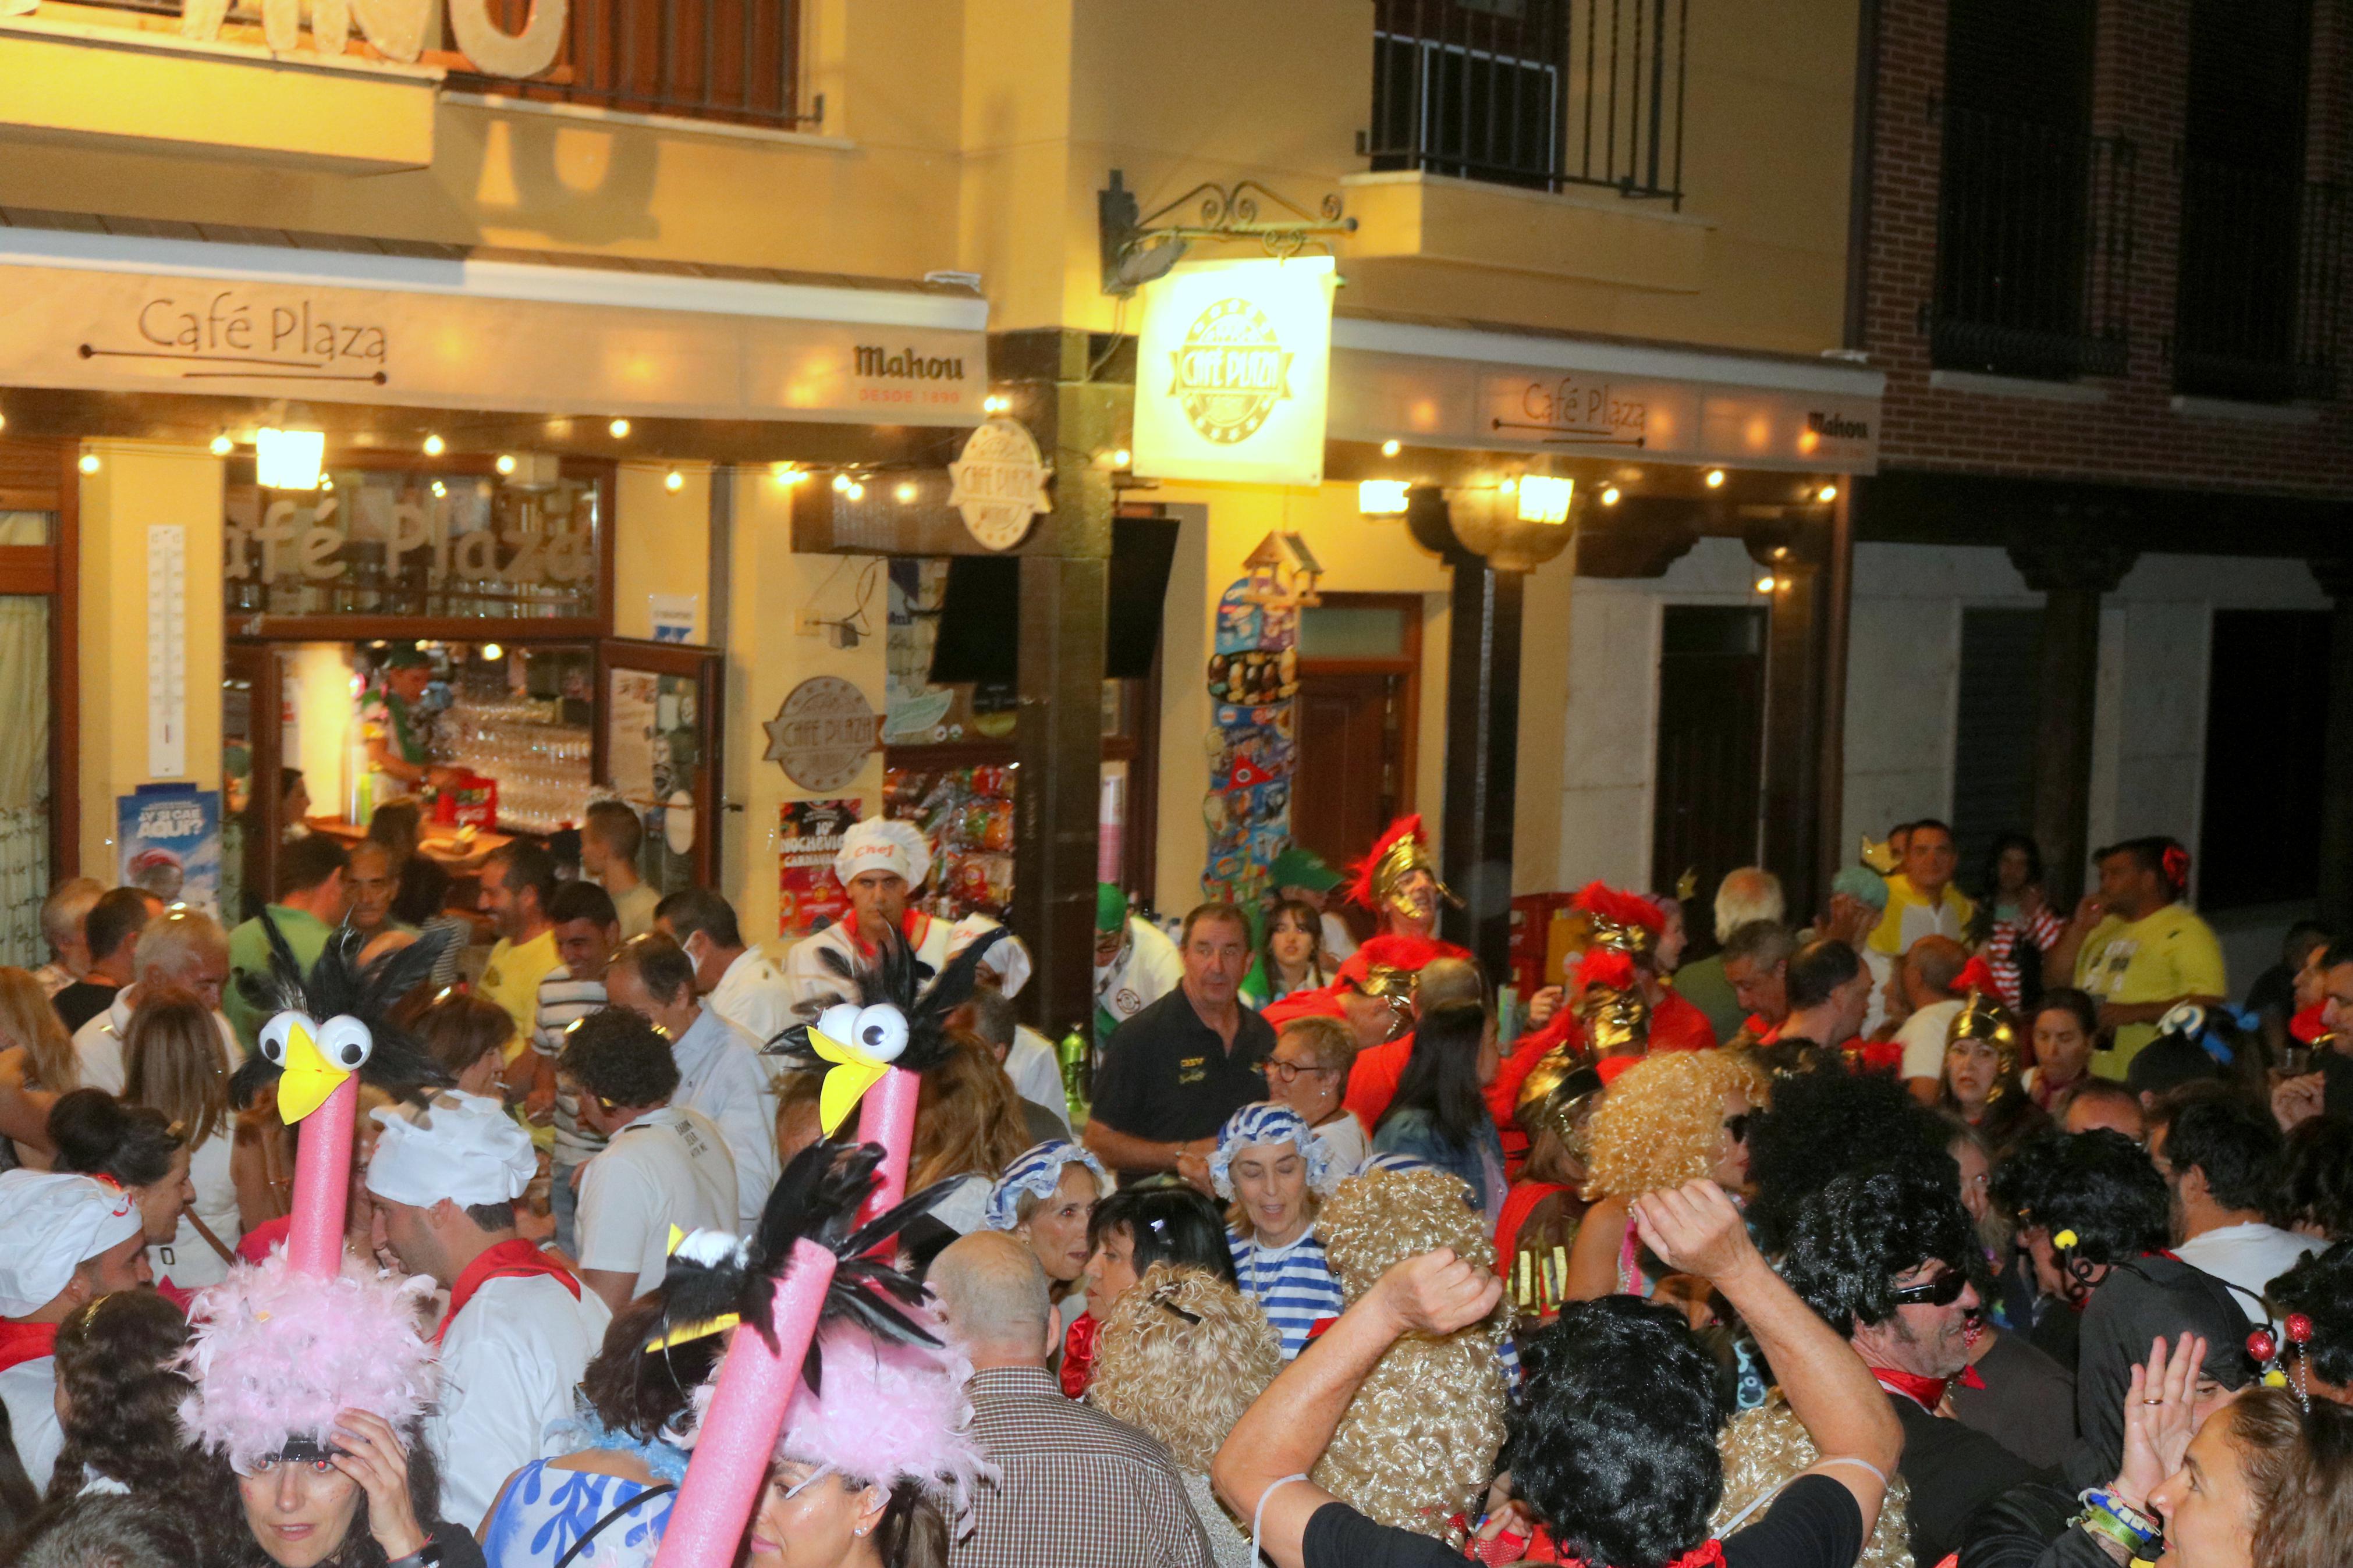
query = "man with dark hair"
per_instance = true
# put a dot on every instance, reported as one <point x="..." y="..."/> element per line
<point x="309" y="906"/>
<point x="2220" y="1157"/>
<point x="611" y="838"/>
<point x="1921" y="897"/>
<point x="1883" y="1257"/>
<point x="1829" y="990"/>
<point x="1756" y="966"/>
<point x="742" y="986"/>
<point x="518" y="884"/>
<point x="519" y="1331"/>
<point x="1613" y="1443"/>
<point x="672" y="1168"/>
<point x="1173" y="1073"/>
<point x="586" y="930"/>
<point x="111" y="931"/>
<point x="721" y="1072"/>
<point x="1923" y="997"/>
<point x="2137" y="949"/>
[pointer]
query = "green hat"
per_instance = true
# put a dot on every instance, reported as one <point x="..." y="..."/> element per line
<point x="1298" y="868"/>
<point x="406" y="656"/>
<point x="1111" y="907"/>
<point x="1864" y="885"/>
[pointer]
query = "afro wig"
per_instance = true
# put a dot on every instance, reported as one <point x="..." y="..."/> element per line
<point x="1159" y="1339"/>
<point x="1824" y="1123"/>
<point x="1417" y="1443"/>
<point x="2100" y="1185"/>
<point x="2321" y="1287"/>
<point x="1765" y="1449"/>
<point x="1849" y="1241"/>
<point x="1661" y="1123"/>
<point x="1613" y="1436"/>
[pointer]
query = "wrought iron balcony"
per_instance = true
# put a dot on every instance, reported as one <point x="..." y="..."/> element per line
<point x="1541" y="94"/>
<point x="2034" y="248"/>
<point x="2263" y="276"/>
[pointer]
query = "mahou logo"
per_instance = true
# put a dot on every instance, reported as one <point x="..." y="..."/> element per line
<point x="1231" y="372"/>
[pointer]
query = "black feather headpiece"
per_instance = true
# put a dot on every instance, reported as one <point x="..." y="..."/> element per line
<point x="339" y="985"/>
<point x="895" y="979"/>
<point x="817" y="1199"/>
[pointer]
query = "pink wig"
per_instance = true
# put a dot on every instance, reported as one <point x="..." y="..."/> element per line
<point x="890" y="1413"/>
<point x="276" y="1353"/>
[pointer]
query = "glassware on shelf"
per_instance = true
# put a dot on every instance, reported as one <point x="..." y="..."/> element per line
<point x="541" y="762"/>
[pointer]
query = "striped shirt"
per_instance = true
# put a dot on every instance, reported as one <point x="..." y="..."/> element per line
<point x="1292" y="1285"/>
<point x="563" y="1002"/>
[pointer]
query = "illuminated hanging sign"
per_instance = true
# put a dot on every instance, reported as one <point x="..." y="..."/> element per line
<point x="1232" y="364"/>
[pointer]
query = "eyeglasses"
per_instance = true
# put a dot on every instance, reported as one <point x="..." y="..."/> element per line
<point x="804" y="1484"/>
<point x="1284" y="1072"/>
<point x="1736" y="1127"/>
<point x="1940" y="1289"/>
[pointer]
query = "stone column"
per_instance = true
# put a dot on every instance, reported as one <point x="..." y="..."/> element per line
<point x="2071" y="566"/>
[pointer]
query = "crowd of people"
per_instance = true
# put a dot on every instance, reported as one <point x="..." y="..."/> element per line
<point x="1931" y="1229"/>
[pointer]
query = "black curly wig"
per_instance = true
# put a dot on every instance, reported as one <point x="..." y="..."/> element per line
<point x="2321" y="1287"/>
<point x="1824" y="1123"/>
<point x="2100" y="1185"/>
<point x="2317" y="1178"/>
<point x="1613" y="1436"/>
<point x="1849" y="1241"/>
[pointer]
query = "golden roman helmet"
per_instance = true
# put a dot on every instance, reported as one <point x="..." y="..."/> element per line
<point x="1396" y="855"/>
<point x="1611" y="1003"/>
<point x="1559" y="1095"/>
<point x="1983" y="1017"/>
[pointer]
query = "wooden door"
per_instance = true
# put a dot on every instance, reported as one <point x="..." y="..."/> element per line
<point x="1707" y="802"/>
<point x="1358" y="716"/>
<point x="658" y="742"/>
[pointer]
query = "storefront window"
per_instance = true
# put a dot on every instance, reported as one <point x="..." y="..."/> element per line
<point x="423" y="544"/>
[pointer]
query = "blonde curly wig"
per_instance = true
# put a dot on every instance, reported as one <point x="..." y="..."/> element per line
<point x="1766" y="1449"/>
<point x="1419" y="1442"/>
<point x="1660" y="1122"/>
<point x="1184" y="1382"/>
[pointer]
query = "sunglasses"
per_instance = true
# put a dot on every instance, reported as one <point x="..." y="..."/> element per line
<point x="1941" y="1290"/>
<point x="1737" y="1126"/>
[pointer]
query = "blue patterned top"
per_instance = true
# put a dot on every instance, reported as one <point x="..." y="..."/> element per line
<point x="545" y="1510"/>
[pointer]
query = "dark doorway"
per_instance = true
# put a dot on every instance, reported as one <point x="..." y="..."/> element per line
<point x="1711" y="744"/>
<point x="1994" y="734"/>
<point x="1358" y="713"/>
<point x="2266" y="709"/>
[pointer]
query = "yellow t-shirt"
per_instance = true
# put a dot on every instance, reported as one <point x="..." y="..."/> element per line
<point x="1910" y="916"/>
<point x="2157" y="958"/>
<point x="512" y="980"/>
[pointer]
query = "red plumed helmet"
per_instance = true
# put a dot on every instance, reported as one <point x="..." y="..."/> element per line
<point x="1604" y="902"/>
<point x="1609" y="968"/>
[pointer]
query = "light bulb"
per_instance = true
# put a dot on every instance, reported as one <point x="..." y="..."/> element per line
<point x="1509" y="487"/>
<point x="439" y="488"/>
<point x="1610" y="495"/>
<point x="435" y="445"/>
<point x="493" y="653"/>
<point x="1381" y="498"/>
<point x="905" y="492"/>
<point x="841" y="483"/>
<point x="994" y="403"/>
<point x="619" y="428"/>
<point x="506" y="463"/>
<point x="1827" y="493"/>
<point x="673" y="481"/>
<point x="1391" y="448"/>
<point x="1121" y="458"/>
<point x="89" y="464"/>
<point x="223" y="445"/>
<point x="1765" y="584"/>
<point x="856" y="491"/>
<point x="1714" y="478"/>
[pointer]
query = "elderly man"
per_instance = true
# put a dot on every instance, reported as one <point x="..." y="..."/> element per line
<point x="187" y="950"/>
<point x="372" y="880"/>
<point x="1135" y="964"/>
<point x="309" y="903"/>
<point x="880" y="865"/>
<point x="1177" y="1070"/>
<point x="1749" y="893"/>
<point x="62" y="914"/>
<point x="1922" y="987"/>
<point x="65" y="1241"/>
<point x="1756" y="964"/>
<point x="110" y="933"/>
<point x="519" y="1329"/>
<point x="719" y="1071"/>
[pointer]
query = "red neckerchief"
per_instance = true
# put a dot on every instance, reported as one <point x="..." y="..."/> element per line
<point x="1708" y="1554"/>
<point x="1926" y="1392"/>
<point x="516" y="1260"/>
<point x="22" y="1342"/>
<point x="1079" y="1355"/>
<point x="915" y="925"/>
<point x="2307" y="1025"/>
<point x="1764" y="1034"/>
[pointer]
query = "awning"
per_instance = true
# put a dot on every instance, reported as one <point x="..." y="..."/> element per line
<point x="1482" y="388"/>
<point x="118" y="305"/>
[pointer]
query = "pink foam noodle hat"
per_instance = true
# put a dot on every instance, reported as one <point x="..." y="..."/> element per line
<point x="887" y="1116"/>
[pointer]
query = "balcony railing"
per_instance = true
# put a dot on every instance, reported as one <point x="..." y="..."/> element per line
<point x="2263" y="276"/>
<point x="2034" y="248"/>
<point x="1541" y="94"/>
<point x="706" y="60"/>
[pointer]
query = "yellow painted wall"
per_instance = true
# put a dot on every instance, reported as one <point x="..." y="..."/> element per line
<point x="139" y="485"/>
<point x="662" y="545"/>
<point x="766" y="659"/>
<point x="319" y="677"/>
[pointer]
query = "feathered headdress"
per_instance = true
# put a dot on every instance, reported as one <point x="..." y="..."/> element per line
<point x="1403" y="848"/>
<point x="894" y="1021"/>
<point x="1627" y="921"/>
<point x="336" y="1022"/>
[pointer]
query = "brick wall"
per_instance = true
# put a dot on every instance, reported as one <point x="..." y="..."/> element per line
<point x="2134" y="436"/>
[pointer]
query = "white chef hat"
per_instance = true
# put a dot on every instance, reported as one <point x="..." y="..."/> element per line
<point x="1008" y="959"/>
<point x="464" y="1147"/>
<point x="879" y="843"/>
<point x="49" y="1225"/>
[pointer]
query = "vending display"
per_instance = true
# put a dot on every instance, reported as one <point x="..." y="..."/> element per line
<point x="967" y="815"/>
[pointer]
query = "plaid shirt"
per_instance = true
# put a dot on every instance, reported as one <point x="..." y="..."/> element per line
<point x="1079" y="1489"/>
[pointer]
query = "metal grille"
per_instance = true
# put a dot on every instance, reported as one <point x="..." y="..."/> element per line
<point x="706" y="60"/>
<point x="1543" y="93"/>
<point x="2263" y="271"/>
<point x="2034" y="248"/>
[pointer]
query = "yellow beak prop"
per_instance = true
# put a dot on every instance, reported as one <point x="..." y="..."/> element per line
<point x="853" y="1073"/>
<point x="310" y="1078"/>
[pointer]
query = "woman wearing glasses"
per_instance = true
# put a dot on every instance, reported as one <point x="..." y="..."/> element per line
<point x="1308" y="1071"/>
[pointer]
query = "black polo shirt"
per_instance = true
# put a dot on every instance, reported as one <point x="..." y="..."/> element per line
<point x="1168" y="1076"/>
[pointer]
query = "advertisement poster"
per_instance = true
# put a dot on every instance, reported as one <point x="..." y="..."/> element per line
<point x="171" y="845"/>
<point x="808" y="831"/>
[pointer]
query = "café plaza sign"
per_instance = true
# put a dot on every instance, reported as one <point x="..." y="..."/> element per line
<point x="1231" y="368"/>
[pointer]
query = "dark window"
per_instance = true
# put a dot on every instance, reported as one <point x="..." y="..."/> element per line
<point x="705" y="59"/>
<point x="2266" y="713"/>
<point x="2261" y="245"/>
<point x="1544" y="93"/>
<point x="1707" y="802"/>
<point x="2034" y="212"/>
<point x="1994" y="733"/>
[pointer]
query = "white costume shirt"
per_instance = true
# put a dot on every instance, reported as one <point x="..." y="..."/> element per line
<point x="722" y="1075"/>
<point x="668" y="1167"/>
<point x="1146" y="969"/>
<point x="29" y="1389"/>
<point x="752" y="996"/>
<point x="98" y="1045"/>
<point x="1344" y="1137"/>
<point x="188" y="1260"/>
<point x="1923" y="1039"/>
<point x="2249" y="1256"/>
<point x="509" y="1364"/>
<point x="811" y="983"/>
<point x="1036" y="1070"/>
<point x="1339" y="942"/>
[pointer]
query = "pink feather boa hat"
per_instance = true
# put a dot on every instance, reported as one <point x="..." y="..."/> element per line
<point x="278" y="1354"/>
<point x="891" y="1413"/>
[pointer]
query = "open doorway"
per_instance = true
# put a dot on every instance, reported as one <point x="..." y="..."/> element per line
<point x="1706" y="807"/>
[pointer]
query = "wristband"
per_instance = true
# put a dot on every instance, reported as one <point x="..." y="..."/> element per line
<point x="425" y="1556"/>
<point x="2130" y="1518"/>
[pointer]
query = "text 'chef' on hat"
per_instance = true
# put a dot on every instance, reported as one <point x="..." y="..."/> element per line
<point x="879" y="843"/>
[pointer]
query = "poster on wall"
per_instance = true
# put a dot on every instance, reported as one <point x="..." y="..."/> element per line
<point x="808" y="831"/>
<point x="170" y="844"/>
<point x="1253" y="680"/>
